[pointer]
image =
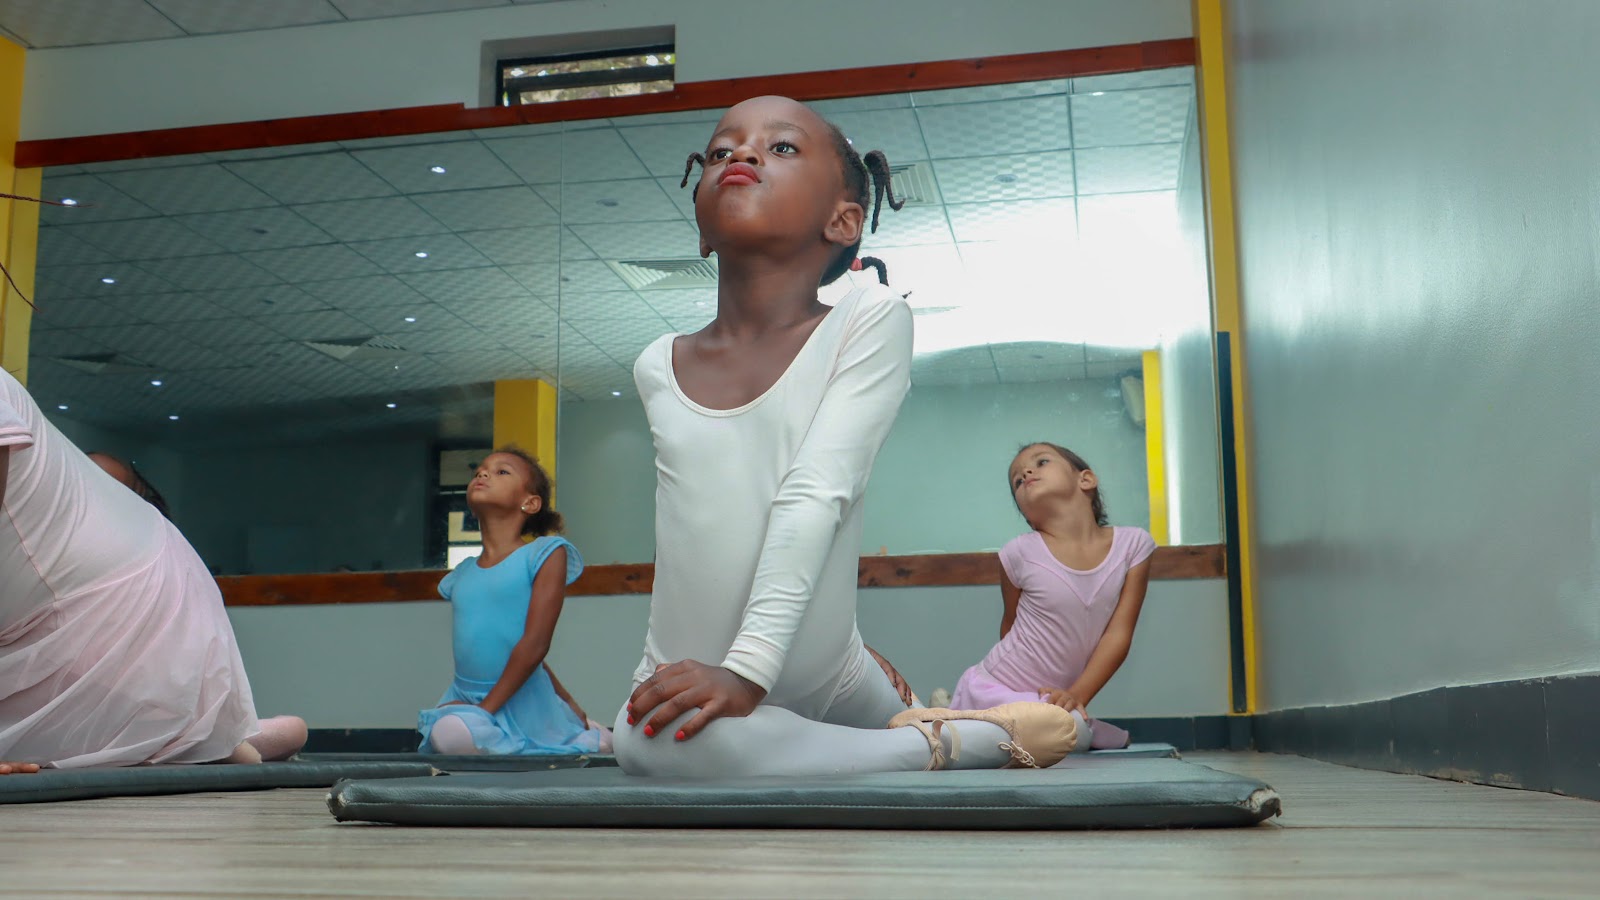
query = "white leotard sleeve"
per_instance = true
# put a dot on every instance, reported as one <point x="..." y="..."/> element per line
<point x="869" y="380"/>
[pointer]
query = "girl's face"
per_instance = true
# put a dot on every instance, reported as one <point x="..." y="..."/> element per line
<point x="501" y="482"/>
<point x="772" y="179"/>
<point x="1039" y="474"/>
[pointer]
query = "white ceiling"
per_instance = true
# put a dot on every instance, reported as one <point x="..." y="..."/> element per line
<point x="225" y="263"/>
<point x="40" y="24"/>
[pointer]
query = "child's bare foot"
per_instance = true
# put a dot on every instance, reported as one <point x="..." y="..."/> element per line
<point x="281" y="737"/>
<point x="18" y="768"/>
<point x="246" y="754"/>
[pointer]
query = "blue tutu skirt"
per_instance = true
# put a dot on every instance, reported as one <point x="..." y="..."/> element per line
<point x="535" y="721"/>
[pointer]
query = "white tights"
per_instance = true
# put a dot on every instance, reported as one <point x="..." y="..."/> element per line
<point x="851" y="738"/>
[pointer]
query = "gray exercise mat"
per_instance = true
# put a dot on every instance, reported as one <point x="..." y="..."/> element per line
<point x="546" y="762"/>
<point x="446" y="762"/>
<point x="1085" y="792"/>
<point x="133" y="781"/>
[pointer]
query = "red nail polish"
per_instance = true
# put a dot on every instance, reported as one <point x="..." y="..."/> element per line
<point x="630" y="718"/>
<point x="649" y="731"/>
<point x="680" y="734"/>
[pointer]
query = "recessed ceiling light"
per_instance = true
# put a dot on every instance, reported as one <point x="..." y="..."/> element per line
<point x="437" y="170"/>
<point x="108" y="280"/>
<point x="155" y="382"/>
<point x="68" y="201"/>
<point x="616" y="393"/>
<point x="62" y="407"/>
<point x="173" y="418"/>
<point x="390" y="405"/>
<point x="422" y="254"/>
<point x="702" y="303"/>
<point x="1098" y="94"/>
<point x="411" y="318"/>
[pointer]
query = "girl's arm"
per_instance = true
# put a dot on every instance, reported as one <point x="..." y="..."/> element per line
<point x="1114" y="643"/>
<point x="1009" y="595"/>
<point x="544" y="608"/>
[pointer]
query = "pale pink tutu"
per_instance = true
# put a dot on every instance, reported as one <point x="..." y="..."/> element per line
<point x="142" y="668"/>
<point x="977" y="689"/>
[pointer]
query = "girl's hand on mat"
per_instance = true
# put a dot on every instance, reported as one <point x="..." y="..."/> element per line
<point x="677" y="688"/>
<point x="18" y="768"/>
<point x="1063" y="699"/>
<point x="900" y="685"/>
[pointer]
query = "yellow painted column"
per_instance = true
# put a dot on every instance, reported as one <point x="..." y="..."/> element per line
<point x="525" y="415"/>
<point x="1211" y="53"/>
<point x="19" y="219"/>
<point x="1155" y="449"/>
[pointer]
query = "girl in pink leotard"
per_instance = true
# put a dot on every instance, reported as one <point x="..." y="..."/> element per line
<point x="1073" y="586"/>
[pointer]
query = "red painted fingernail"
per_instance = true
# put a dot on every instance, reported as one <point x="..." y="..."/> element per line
<point x="630" y="718"/>
<point x="649" y="731"/>
<point x="630" y="706"/>
<point x="680" y="734"/>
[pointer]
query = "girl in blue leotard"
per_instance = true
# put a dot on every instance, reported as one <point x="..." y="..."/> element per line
<point x="506" y="602"/>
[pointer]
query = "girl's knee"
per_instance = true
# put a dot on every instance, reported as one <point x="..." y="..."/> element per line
<point x="709" y="753"/>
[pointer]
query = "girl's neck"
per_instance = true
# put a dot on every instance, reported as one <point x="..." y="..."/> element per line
<point x="502" y="534"/>
<point x="756" y="296"/>
<point x="1070" y="525"/>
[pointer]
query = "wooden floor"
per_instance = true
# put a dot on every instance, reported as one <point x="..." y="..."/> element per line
<point x="1344" y="832"/>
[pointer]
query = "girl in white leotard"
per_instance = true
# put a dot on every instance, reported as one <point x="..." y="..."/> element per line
<point x="766" y="424"/>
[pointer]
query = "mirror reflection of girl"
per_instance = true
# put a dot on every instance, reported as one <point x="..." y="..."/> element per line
<point x="766" y="424"/>
<point x="505" y="603"/>
<point x="1072" y="590"/>
<point x="115" y="648"/>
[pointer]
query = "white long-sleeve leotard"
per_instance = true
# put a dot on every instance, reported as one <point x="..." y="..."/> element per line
<point x="758" y="509"/>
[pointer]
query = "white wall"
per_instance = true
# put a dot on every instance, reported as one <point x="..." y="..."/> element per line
<point x="1419" y="210"/>
<point x="375" y="665"/>
<point x="938" y="485"/>
<point x="422" y="60"/>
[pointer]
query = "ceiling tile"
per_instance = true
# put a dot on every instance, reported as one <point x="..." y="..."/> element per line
<point x="63" y="342"/>
<point x="312" y="179"/>
<point x="606" y="304"/>
<point x="1180" y="75"/>
<point x="535" y="158"/>
<point x="1025" y="374"/>
<point x="600" y="154"/>
<point x="894" y="131"/>
<point x="454" y="340"/>
<point x="467" y="165"/>
<point x="58" y="282"/>
<point x="612" y="201"/>
<point x="213" y="16"/>
<point x="1029" y="220"/>
<point x="371" y="220"/>
<point x="979" y="129"/>
<point x="664" y="149"/>
<point x="314" y="326"/>
<point x="464" y="284"/>
<point x="586" y="276"/>
<point x="68" y="23"/>
<point x="992" y="92"/>
<point x="77" y="312"/>
<point x="520" y="319"/>
<point x="1020" y="177"/>
<point x="174" y="307"/>
<point x="97" y="201"/>
<point x="188" y="189"/>
<point x="374" y="9"/>
<point x="681" y="197"/>
<point x="422" y="314"/>
<point x="267" y="228"/>
<point x="57" y="247"/>
<point x="1145" y="167"/>
<point x="264" y="300"/>
<point x="322" y="263"/>
<point x="1151" y="116"/>
<point x="513" y="246"/>
<point x="686" y="302"/>
<point x="828" y="108"/>
<point x="444" y="251"/>
<point x="201" y="273"/>
<point x="513" y="207"/>
<point x="1037" y="353"/>
<point x="621" y="339"/>
<point x="186" y="357"/>
<point x="636" y="240"/>
<point x="543" y="279"/>
<point x="383" y="291"/>
<point x="231" y="333"/>
<point x="142" y="239"/>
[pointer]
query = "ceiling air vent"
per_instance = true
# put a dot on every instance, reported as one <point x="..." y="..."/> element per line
<point x="104" y="364"/>
<point x="665" y="274"/>
<point x="913" y="183"/>
<point x="357" y="348"/>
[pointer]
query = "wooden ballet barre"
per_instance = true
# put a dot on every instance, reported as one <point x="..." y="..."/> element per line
<point x="929" y="570"/>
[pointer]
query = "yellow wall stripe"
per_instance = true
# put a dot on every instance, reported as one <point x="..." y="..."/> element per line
<point x="1211" y="52"/>
<point x="19" y="219"/>
<point x="1155" y="449"/>
<point x="525" y="415"/>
